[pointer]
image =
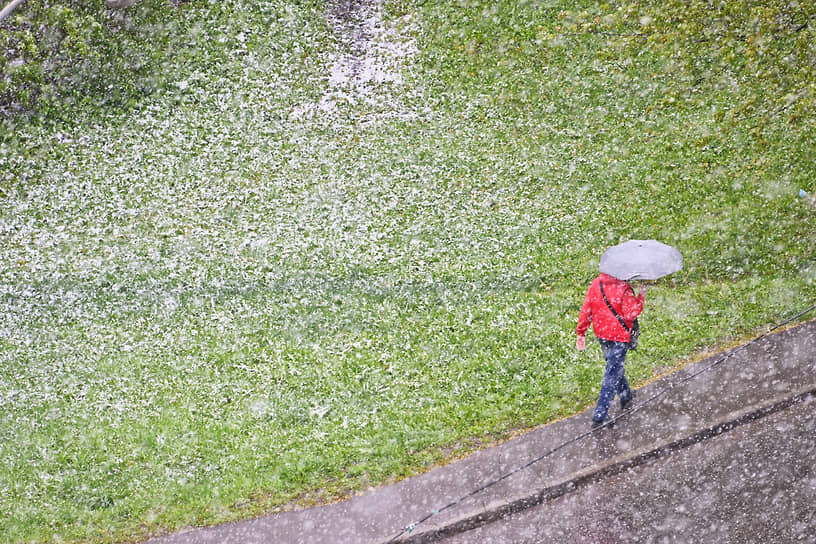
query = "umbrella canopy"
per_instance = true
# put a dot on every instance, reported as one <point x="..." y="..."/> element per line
<point x="641" y="260"/>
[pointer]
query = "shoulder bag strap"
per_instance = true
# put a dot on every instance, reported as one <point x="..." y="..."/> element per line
<point x="611" y="309"/>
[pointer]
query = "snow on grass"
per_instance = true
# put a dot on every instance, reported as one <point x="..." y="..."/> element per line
<point x="269" y="279"/>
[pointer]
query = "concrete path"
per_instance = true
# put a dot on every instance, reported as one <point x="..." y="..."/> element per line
<point x="754" y="484"/>
<point x="764" y="389"/>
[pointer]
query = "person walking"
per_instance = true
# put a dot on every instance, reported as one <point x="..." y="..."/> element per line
<point x="611" y="307"/>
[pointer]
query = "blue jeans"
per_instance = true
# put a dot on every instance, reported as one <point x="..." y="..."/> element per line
<point x="614" y="380"/>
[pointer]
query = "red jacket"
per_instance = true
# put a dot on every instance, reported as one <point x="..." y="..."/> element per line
<point x="604" y="324"/>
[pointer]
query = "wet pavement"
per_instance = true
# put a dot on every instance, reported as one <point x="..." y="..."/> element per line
<point x="722" y="451"/>
<point x="756" y="483"/>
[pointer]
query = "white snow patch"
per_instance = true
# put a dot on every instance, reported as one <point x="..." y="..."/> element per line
<point x="374" y="62"/>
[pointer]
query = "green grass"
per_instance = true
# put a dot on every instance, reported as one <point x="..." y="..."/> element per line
<point x="224" y="299"/>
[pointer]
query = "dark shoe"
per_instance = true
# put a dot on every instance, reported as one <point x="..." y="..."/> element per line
<point x="597" y="424"/>
<point x="625" y="404"/>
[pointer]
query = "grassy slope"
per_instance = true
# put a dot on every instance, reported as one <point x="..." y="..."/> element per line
<point x="226" y="299"/>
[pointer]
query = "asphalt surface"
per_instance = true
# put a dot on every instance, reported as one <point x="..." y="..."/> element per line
<point x="755" y="483"/>
<point x="721" y="451"/>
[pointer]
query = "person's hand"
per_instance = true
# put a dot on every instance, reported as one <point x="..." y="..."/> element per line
<point x="580" y="343"/>
<point x="642" y="288"/>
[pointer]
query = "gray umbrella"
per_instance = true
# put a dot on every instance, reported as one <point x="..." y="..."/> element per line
<point x="641" y="260"/>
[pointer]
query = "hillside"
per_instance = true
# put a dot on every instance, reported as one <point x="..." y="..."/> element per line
<point x="298" y="248"/>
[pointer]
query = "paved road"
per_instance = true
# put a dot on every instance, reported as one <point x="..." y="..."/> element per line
<point x="756" y="483"/>
<point x="721" y="451"/>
